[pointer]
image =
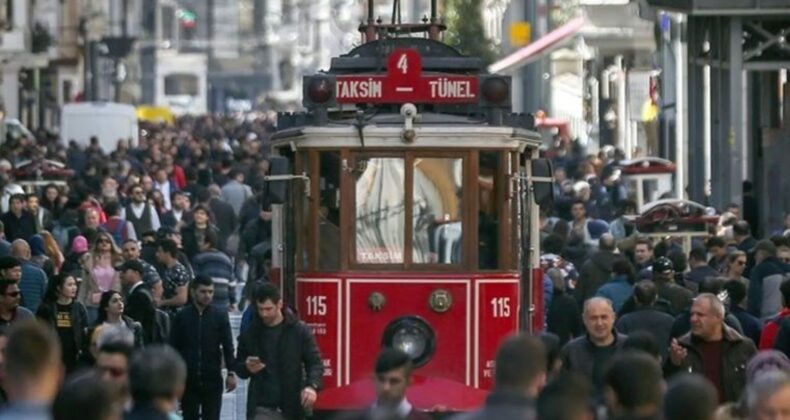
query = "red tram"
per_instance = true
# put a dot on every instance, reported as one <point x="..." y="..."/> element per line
<point x="411" y="216"/>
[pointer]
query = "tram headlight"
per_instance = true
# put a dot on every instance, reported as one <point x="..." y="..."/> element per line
<point x="413" y="336"/>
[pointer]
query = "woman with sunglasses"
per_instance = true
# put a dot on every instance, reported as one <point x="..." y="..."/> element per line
<point x="736" y="265"/>
<point x="99" y="273"/>
<point x="68" y="317"/>
<point x="111" y="309"/>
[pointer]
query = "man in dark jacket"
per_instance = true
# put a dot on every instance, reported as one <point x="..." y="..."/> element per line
<point x="646" y="317"/>
<point x="18" y="222"/>
<point x="156" y="379"/>
<point x="765" y="299"/>
<point x="713" y="349"/>
<point x="752" y="327"/>
<point x="280" y="356"/>
<point x="201" y="334"/>
<point x="700" y="270"/>
<point x="520" y="374"/>
<point x="678" y="297"/>
<point x="563" y="317"/>
<point x="597" y="270"/>
<point x="590" y="353"/>
<point x="140" y="304"/>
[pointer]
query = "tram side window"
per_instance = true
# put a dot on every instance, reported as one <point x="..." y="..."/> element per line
<point x="437" y="224"/>
<point x="329" y="212"/>
<point x="488" y="216"/>
<point x="380" y="210"/>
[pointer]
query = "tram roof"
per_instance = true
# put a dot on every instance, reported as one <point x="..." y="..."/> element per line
<point x="380" y="131"/>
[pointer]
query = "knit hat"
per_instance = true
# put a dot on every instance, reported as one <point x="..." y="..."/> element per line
<point x="8" y="262"/>
<point x="79" y="244"/>
<point x="766" y="361"/>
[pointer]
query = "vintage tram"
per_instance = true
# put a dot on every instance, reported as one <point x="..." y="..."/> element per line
<point x="411" y="216"/>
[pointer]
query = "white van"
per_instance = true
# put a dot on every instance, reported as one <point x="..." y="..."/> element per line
<point x="108" y="121"/>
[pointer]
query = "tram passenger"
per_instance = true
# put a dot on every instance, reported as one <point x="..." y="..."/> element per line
<point x="279" y="354"/>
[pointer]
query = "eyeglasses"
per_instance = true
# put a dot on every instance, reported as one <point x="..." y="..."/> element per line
<point x="104" y="241"/>
<point x="13" y="294"/>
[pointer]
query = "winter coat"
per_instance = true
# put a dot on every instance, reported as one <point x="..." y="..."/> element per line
<point x="300" y="363"/>
<point x="618" y="290"/>
<point x="736" y="352"/>
<point x="595" y="273"/>
<point x="563" y="317"/>
<point x="764" y="298"/>
<point x="678" y="297"/>
<point x="651" y="320"/>
<point x="582" y="356"/>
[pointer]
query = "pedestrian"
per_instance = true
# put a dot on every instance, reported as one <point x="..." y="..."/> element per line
<point x="643" y="254"/>
<point x="392" y="376"/>
<point x="712" y="348"/>
<point x="597" y="270"/>
<point x="716" y="247"/>
<point x="194" y="234"/>
<point x="765" y="299"/>
<point x="634" y="387"/>
<point x="157" y="375"/>
<point x="5" y="246"/>
<point x="140" y="213"/>
<point x="279" y="355"/>
<point x="67" y="317"/>
<point x="39" y="257"/>
<point x="131" y="252"/>
<point x="111" y="312"/>
<point x="768" y="337"/>
<point x="87" y="396"/>
<point x="736" y="292"/>
<point x="735" y="263"/>
<point x="175" y="277"/>
<point x="235" y="191"/>
<point x="700" y="270"/>
<point x="690" y="397"/>
<point x="520" y="373"/>
<point x="769" y="396"/>
<point x="140" y="304"/>
<point x="647" y="317"/>
<point x="644" y="342"/>
<point x="10" y="268"/>
<point x="562" y="317"/>
<point x="224" y="214"/>
<point x="201" y="334"/>
<point x="32" y="371"/>
<point x="99" y="273"/>
<point x="566" y="397"/>
<point x="10" y="311"/>
<point x="33" y="282"/>
<point x="213" y="263"/>
<point x="114" y="353"/>
<point x="18" y="222"/>
<point x="621" y="286"/>
<point x="679" y="297"/>
<point x="117" y="226"/>
<point x="715" y="287"/>
<point x="590" y="353"/>
<point x="42" y="216"/>
<point x="180" y="215"/>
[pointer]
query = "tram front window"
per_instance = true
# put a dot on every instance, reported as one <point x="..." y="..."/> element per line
<point x="437" y="224"/>
<point x="380" y="210"/>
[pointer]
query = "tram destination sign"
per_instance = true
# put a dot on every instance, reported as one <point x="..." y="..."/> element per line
<point x="405" y="82"/>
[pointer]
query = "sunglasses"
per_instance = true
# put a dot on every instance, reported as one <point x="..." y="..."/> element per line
<point x="103" y="241"/>
<point x="13" y="294"/>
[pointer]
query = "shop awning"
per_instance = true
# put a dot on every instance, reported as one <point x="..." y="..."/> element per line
<point x="538" y="48"/>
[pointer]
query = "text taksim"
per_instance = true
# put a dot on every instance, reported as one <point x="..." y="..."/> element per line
<point x="359" y="89"/>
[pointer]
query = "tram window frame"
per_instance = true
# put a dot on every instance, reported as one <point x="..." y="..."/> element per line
<point x="332" y="215"/>
<point x="302" y="205"/>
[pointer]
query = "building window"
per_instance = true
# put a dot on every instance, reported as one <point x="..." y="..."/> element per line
<point x="181" y="84"/>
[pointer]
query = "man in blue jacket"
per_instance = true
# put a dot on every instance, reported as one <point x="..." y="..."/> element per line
<point x="765" y="299"/>
<point x="201" y="334"/>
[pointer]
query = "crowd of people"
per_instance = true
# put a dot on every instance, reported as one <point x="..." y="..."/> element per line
<point x="124" y="276"/>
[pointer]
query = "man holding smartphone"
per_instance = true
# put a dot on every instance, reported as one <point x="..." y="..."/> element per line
<point x="274" y="351"/>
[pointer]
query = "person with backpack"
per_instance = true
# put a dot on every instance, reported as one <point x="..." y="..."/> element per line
<point x="118" y="227"/>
